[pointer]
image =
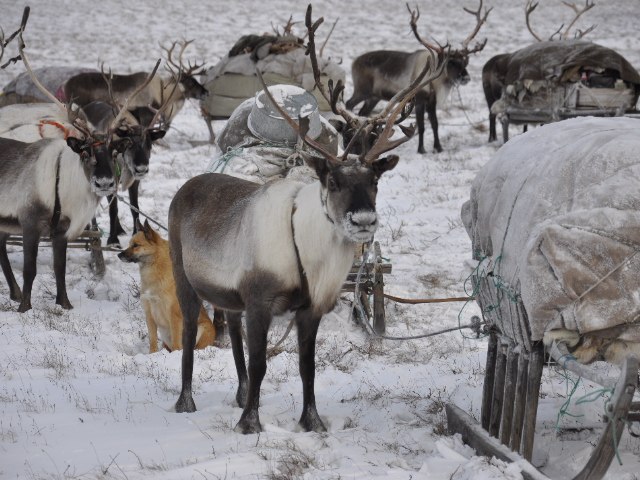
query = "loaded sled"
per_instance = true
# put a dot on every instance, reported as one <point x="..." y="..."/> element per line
<point x="555" y="80"/>
<point x="554" y="229"/>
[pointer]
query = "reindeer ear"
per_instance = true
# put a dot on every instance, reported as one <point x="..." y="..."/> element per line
<point x="156" y="134"/>
<point x="319" y="164"/>
<point x="75" y="144"/>
<point x="384" y="164"/>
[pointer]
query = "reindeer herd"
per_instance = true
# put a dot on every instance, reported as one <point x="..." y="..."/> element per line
<point x="57" y="160"/>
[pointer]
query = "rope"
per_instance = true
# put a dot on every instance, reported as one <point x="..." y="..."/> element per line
<point x="152" y="220"/>
<point x="475" y="325"/>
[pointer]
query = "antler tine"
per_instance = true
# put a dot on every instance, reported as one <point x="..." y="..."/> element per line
<point x="108" y="80"/>
<point x="581" y="33"/>
<point x="332" y="98"/>
<point x="27" y="64"/>
<point x="480" y="20"/>
<point x="297" y="127"/>
<point x="579" y="12"/>
<point x="396" y="107"/>
<point x="4" y="42"/>
<point x="141" y="87"/>
<point x="415" y="15"/>
<point x="170" y="55"/>
<point x="528" y="10"/>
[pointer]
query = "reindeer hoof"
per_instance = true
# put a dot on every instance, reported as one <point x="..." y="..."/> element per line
<point x="24" y="306"/>
<point x="114" y="242"/>
<point x="16" y="296"/>
<point x="310" y="422"/>
<point x="64" y="303"/>
<point x="249" y="423"/>
<point x="185" y="404"/>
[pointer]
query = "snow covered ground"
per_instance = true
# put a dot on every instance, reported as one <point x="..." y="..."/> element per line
<point x="80" y="397"/>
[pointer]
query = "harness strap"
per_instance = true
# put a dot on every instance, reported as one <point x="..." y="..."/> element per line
<point x="304" y="283"/>
<point x="57" y="208"/>
<point x="42" y="123"/>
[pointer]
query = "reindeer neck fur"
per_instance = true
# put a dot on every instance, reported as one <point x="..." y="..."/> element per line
<point x="78" y="203"/>
<point x="48" y="159"/>
<point x="325" y="254"/>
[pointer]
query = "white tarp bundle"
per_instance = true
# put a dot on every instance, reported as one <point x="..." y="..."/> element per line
<point x="556" y="213"/>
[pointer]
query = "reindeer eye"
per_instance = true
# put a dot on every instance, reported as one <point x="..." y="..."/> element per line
<point x="332" y="184"/>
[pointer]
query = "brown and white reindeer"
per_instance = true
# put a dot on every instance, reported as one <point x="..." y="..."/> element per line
<point x="380" y="74"/>
<point x="495" y="70"/>
<point x="142" y="126"/>
<point x="51" y="186"/>
<point x="268" y="249"/>
<point x="87" y="87"/>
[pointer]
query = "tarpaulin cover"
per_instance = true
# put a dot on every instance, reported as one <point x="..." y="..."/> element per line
<point x="556" y="212"/>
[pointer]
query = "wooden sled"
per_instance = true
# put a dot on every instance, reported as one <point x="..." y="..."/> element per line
<point x="89" y="240"/>
<point x="366" y="280"/>
<point x="568" y="101"/>
<point x="512" y="385"/>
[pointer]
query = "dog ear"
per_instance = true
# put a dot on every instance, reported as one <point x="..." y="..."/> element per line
<point x="139" y="227"/>
<point x="149" y="233"/>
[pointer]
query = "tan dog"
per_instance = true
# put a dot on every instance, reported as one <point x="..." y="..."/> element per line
<point x="158" y="292"/>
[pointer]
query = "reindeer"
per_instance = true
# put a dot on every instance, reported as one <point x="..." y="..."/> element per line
<point x="495" y="70"/>
<point x="267" y="249"/>
<point x="142" y="126"/>
<point x="378" y="75"/>
<point x="53" y="186"/>
<point x="84" y="88"/>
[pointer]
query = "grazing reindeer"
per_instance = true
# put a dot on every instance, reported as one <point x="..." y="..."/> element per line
<point x="495" y="70"/>
<point x="268" y="249"/>
<point x="84" y="88"/>
<point x="378" y="75"/>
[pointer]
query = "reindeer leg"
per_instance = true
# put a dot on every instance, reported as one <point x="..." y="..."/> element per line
<point x="59" y="242"/>
<point x="307" y="326"/>
<point x="135" y="208"/>
<point x="14" y="289"/>
<point x="115" y="228"/>
<point x="368" y="106"/>
<point x="30" y="241"/>
<point x="433" y="119"/>
<point x="234" y="323"/>
<point x="190" y="306"/>
<point x="420" y="108"/>
<point x="492" y="127"/>
<point x="258" y="321"/>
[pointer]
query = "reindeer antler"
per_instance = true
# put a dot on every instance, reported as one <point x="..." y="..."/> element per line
<point x="142" y="86"/>
<point x="415" y="16"/>
<point x="480" y="20"/>
<point x="302" y="127"/>
<point x="579" y="12"/>
<point x="531" y="6"/>
<point x="190" y="69"/>
<point x="4" y="43"/>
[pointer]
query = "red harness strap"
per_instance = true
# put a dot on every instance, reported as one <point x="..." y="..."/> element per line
<point x="64" y="129"/>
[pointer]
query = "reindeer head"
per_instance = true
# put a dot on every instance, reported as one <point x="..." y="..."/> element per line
<point x="185" y="74"/>
<point x="348" y="184"/>
<point x="456" y="59"/>
<point x="97" y="153"/>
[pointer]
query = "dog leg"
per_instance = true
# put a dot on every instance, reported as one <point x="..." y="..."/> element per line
<point x="152" y="327"/>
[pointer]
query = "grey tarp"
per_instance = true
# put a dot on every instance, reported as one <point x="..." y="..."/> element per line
<point x="556" y="60"/>
<point x="52" y="78"/>
<point x="556" y="212"/>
